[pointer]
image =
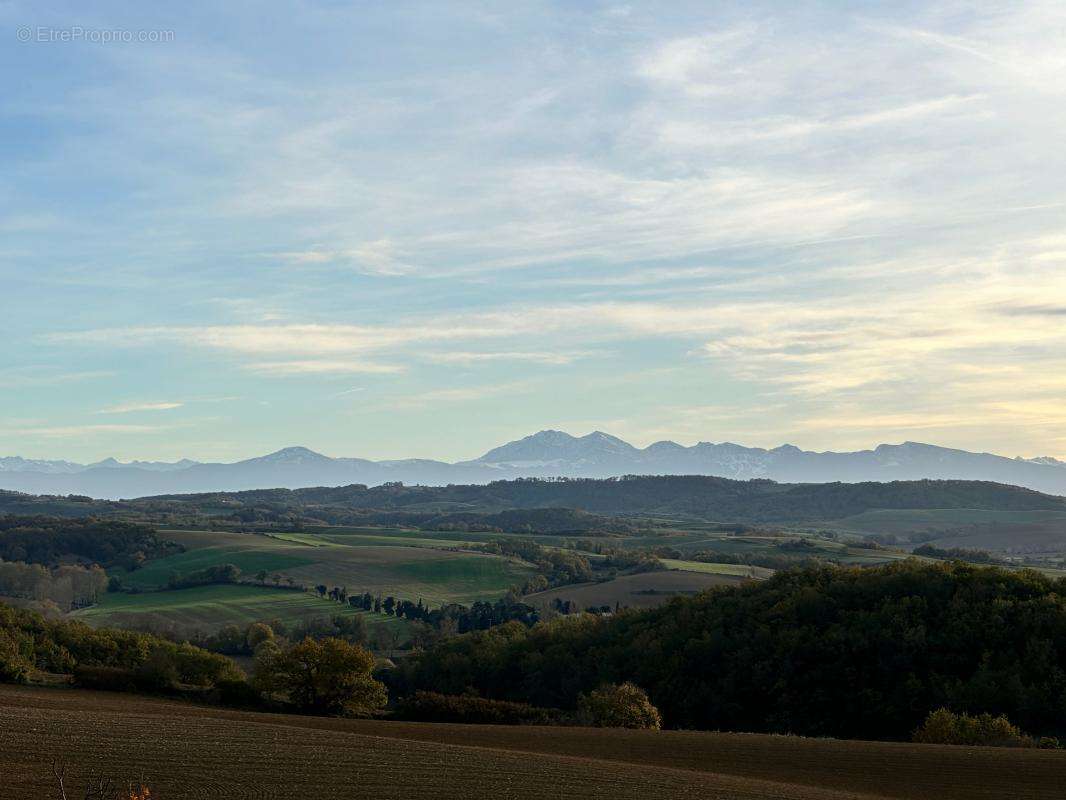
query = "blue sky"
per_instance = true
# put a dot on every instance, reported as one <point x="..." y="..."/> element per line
<point x="421" y="229"/>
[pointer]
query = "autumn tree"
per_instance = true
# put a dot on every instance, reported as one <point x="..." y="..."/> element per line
<point x="618" y="706"/>
<point x="330" y="676"/>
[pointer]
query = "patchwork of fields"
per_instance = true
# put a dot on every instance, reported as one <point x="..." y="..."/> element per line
<point x="435" y="567"/>
<point x="398" y="565"/>
<point x="643" y="590"/>
<point x="386" y="562"/>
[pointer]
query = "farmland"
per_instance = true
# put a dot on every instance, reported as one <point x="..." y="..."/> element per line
<point x="382" y="564"/>
<point x="402" y="566"/>
<point x="435" y="566"/>
<point x="642" y="590"/>
<point x="440" y="567"/>
<point x="207" y="608"/>
<point x="185" y="751"/>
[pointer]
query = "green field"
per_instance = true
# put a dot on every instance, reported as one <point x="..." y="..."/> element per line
<point x="394" y="562"/>
<point x="155" y="573"/>
<point x="401" y="563"/>
<point x="736" y="570"/>
<point x="207" y="608"/>
<point x="434" y="567"/>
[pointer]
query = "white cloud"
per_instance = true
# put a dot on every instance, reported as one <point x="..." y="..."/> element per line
<point x="319" y="367"/>
<point x="41" y="376"/>
<point x="129" y="408"/>
<point x="457" y="395"/>
<point x="378" y="257"/>
<point x="700" y="65"/>
<point x="546" y="357"/>
<point x="76" y="431"/>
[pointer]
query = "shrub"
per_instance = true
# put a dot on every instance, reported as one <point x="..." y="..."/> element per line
<point x="945" y="727"/>
<point x="13" y="667"/>
<point x="237" y="693"/>
<point x="473" y="710"/>
<point x="108" y="679"/>
<point x="217" y="573"/>
<point x="618" y="706"/>
<point x="159" y="673"/>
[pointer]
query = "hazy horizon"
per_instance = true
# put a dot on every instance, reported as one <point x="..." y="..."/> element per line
<point x="639" y="444"/>
<point x="425" y="230"/>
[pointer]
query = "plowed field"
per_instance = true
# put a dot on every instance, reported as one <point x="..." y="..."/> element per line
<point x="185" y="751"/>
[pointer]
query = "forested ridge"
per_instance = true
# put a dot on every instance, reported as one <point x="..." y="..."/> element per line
<point x="579" y="505"/>
<point x="827" y="651"/>
<point x="51" y="541"/>
<point x="756" y="500"/>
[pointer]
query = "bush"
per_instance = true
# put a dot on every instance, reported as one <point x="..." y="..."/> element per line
<point x="13" y="667"/>
<point x="473" y="710"/>
<point x="237" y="693"/>
<point x="945" y="727"/>
<point x="218" y="573"/>
<point x="618" y="706"/>
<point x="159" y="673"/>
<point x="108" y="679"/>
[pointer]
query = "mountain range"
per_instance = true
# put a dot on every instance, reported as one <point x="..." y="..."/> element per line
<point x="545" y="454"/>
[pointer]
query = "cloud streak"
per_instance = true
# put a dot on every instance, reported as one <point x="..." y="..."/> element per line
<point x="131" y="408"/>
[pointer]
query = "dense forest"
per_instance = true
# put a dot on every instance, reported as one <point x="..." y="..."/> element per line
<point x="51" y="541"/>
<point x="58" y="589"/>
<point x="700" y="496"/>
<point x="29" y="642"/>
<point x="572" y="506"/>
<point x="825" y="651"/>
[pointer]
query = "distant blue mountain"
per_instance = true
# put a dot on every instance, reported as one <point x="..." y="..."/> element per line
<point x="546" y="454"/>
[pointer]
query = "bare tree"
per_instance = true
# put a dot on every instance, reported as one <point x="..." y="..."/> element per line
<point x="387" y="638"/>
<point x="96" y="787"/>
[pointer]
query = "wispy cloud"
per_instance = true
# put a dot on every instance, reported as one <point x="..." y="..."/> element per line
<point x="319" y="367"/>
<point x="75" y="431"/>
<point x="542" y="357"/>
<point x="130" y="408"/>
<point x="41" y="376"/>
<point x="346" y="392"/>
<point x="378" y="257"/>
<point x="461" y="395"/>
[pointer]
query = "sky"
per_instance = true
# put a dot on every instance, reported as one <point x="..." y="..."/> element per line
<point x="422" y="229"/>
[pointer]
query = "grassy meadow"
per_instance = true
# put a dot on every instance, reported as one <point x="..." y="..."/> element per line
<point x="208" y="608"/>
<point x="387" y="562"/>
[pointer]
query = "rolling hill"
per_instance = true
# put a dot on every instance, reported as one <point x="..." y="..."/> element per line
<point x="182" y="750"/>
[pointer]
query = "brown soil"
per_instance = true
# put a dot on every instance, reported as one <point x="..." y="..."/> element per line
<point x="185" y="751"/>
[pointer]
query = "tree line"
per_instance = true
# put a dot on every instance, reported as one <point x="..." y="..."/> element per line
<point x="51" y="541"/>
<point x="576" y="505"/>
<point x="67" y="586"/>
<point x="823" y="651"/>
<point x="327" y="676"/>
<point x="448" y="618"/>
